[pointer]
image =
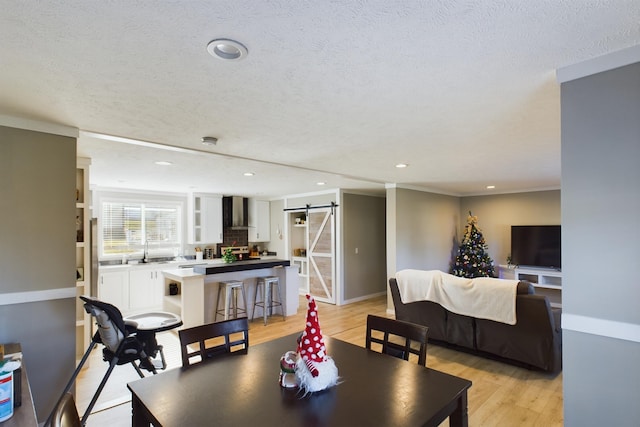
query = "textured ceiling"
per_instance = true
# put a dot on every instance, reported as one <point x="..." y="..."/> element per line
<point x="333" y="91"/>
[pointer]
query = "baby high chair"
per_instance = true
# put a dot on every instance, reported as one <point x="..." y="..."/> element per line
<point x="126" y="340"/>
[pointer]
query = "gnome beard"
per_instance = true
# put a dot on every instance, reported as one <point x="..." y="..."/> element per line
<point x="327" y="375"/>
<point x="315" y="370"/>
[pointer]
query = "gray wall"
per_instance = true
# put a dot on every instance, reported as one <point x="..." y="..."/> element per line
<point x="424" y="230"/>
<point x="363" y="227"/>
<point x="496" y="214"/>
<point x="37" y="256"/>
<point x="600" y="205"/>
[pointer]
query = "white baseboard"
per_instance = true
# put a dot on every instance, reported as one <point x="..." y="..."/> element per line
<point x="36" y="296"/>
<point x="601" y="327"/>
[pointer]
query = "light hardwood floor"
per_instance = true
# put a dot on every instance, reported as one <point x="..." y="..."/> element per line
<point x="501" y="394"/>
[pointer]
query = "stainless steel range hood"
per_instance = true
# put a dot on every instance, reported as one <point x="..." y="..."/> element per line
<point x="235" y="212"/>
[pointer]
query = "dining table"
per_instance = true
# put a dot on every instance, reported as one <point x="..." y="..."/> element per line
<point x="373" y="389"/>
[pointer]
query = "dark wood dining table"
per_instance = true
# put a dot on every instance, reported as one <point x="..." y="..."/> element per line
<point x="243" y="390"/>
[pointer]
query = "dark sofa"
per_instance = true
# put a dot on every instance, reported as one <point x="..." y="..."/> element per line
<point x="535" y="341"/>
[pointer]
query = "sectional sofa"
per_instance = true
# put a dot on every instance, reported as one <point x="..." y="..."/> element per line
<point x="534" y="341"/>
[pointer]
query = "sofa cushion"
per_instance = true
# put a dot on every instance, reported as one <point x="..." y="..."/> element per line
<point x="425" y="313"/>
<point x="525" y="288"/>
<point x="460" y="330"/>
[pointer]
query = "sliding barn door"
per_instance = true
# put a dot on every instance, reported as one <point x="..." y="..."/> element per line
<point x="321" y="254"/>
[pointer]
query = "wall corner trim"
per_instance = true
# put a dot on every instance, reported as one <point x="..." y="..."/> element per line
<point x="607" y="62"/>
<point x="36" y="296"/>
<point x="602" y="327"/>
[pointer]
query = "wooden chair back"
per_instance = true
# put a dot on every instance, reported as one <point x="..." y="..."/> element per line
<point x="213" y="339"/>
<point x="399" y="338"/>
<point x="66" y="413"/>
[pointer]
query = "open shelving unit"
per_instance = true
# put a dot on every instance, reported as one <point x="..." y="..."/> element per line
<point x="303" y="265"/>
<point x="83" y="254"/>
<point x="546" y="281"/>
<point x="299" y="241"/>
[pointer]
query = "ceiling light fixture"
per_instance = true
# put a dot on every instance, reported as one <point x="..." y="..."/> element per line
<point x="163" y="163"/>
<point x="320" y="183"/>
<point x="401" y="165"/>
<point x="229" y="50"/>
<point x="490" y="187"/>
<point x="209" y="140"/>
<point x="248" y="174"/>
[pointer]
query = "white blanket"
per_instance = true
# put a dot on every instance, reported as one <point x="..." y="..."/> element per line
<point x="482" y="297"/>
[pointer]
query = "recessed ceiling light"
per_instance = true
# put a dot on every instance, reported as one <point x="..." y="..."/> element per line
<point x="320" y="183"/>
<point x="490" y="187"/>
<point x="401" y="165"/>
<point x="209" y="140"/>
<point x="248" y="174"/>
<point x="163" y="163"/>
<point x="229" y="50"/>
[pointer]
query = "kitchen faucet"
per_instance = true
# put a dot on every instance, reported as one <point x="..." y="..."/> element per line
<point x="146" y="251"/>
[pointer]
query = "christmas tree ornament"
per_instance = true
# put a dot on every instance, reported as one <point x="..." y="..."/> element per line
<point x="315" y="370"/>
<point x="288" y="370"/>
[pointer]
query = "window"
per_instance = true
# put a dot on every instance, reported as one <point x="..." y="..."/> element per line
<point x="131" y="227"/>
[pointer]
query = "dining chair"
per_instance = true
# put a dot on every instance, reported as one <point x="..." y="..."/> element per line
<point x="393" y="333"/>
<point x="207" y="339"/>
<point x="65" y="414"/>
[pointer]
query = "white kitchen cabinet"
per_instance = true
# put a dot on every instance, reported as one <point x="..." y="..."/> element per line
<point x="145" y="289"/>
<point x="113" y="287"/>
<point x="132" y="289"/>
<point x="205" y="219"/>
<point x="259" y="221"/>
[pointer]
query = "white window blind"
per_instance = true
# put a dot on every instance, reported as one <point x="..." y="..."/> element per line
<point x="126" y="227"/>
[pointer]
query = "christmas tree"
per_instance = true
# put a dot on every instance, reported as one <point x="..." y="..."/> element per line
<point x="472" y="260"/>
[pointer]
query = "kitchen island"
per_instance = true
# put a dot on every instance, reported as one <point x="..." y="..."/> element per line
<point x="197" y="287"/>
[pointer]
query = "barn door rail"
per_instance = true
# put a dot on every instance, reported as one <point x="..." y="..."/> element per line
<point x="308" y="207"/>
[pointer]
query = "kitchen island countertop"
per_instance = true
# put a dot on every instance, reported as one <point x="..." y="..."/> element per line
<point x="252" y="264"/>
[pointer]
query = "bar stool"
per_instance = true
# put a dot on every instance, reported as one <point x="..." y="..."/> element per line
<point x="267" y="283"/>
<point x="229" y="290"/>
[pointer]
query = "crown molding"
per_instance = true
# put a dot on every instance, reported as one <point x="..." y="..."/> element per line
<point x="38" y="126"/>
<point x="600" y="64"/>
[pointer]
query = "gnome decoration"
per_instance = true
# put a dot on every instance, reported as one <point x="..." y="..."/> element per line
<point x="315" y="370"/>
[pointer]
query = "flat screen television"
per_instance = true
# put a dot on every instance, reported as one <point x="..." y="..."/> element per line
<point x="536" y="246"/>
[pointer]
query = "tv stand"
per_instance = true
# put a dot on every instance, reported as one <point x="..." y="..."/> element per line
<point x="546" y="281"/>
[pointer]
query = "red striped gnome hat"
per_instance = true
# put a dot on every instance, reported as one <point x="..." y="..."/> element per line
<point x="311" y="347"/>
